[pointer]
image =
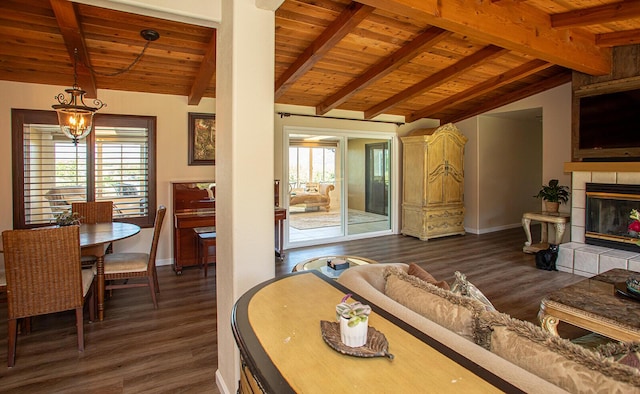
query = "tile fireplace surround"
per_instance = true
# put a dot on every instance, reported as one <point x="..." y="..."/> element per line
<point x="588" y="260"/>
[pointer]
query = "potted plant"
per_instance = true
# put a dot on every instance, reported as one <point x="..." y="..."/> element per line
<point x="67" y="218"/>
<point x="553" y="195"/>
<point x="354" y="322"/>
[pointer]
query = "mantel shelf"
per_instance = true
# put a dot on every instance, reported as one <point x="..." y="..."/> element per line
<point x="602" y="166"/>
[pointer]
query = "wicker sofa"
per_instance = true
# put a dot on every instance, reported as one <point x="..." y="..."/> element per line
<point x="312" y="196"/>
<point x="519" y="352"/>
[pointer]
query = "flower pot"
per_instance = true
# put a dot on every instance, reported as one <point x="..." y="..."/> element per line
<point x="551" y="206"/>
<point x="355" y="336"/>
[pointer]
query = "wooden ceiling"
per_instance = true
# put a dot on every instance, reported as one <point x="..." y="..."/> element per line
<point x="442" y="59"/>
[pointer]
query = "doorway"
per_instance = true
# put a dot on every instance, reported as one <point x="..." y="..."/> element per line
<point x="329" y="186"/>
<point x="377" y="178"/>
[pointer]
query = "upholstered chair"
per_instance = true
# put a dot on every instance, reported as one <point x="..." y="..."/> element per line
<point x="125" y="270"/>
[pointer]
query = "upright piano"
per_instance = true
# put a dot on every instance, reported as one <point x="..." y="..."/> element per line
<point x="193" y="206"/>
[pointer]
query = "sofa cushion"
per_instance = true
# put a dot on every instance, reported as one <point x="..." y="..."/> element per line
<point x="419" y="272"/>
<point x="463" y="287"/>
<point x="457" y="313"/>
<point x="557" y="360"/>
<point x="311" y="188"/>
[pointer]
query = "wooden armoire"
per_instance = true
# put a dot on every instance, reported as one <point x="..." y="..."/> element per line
<point x="433" y="182"/>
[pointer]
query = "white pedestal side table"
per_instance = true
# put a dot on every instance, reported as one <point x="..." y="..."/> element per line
<point x="558" y="219"/>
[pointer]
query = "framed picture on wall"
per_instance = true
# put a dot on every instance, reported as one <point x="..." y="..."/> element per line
<point x="202" y="139"/>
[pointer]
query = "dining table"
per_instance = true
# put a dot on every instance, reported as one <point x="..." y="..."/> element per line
<point x="94" y="239"/>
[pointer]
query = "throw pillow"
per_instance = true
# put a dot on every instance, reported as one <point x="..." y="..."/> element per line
<point x="418" y="272"/>
<point x="627" y="353"/>
<point x="452" y="311"/>
<point x="557" y="360"/>
<point x="463" y="287"/>
<point x="311" y="188"/>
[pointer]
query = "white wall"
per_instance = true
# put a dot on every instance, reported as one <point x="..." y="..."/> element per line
<point x="510" y="170"/>
<point x="172" y="129"/>
<point x="556" y="150"/>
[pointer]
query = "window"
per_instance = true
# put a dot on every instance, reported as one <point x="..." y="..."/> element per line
<point x="116" y="162"/>
<point x="315" y="164"/>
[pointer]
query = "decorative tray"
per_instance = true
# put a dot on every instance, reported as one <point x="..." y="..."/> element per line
<point x="622" y="289"/>
<point x="376" y="346"/>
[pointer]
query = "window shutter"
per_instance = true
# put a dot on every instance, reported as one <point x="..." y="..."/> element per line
<point x="122" y="169"/>
<point x="116" y="162"/>
<point x="55" y="173"/>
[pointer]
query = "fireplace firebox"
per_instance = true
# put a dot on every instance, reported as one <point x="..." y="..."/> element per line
<point x="607" y="220"/>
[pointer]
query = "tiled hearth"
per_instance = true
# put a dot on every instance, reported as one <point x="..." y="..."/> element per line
<point x="589" y="260"/>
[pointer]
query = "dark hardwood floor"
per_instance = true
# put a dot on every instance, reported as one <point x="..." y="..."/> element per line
<point x="137" y="349"/>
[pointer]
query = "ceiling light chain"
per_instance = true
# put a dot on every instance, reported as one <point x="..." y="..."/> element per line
<point x="74" y="116"/>
<point x="149" y="35"/>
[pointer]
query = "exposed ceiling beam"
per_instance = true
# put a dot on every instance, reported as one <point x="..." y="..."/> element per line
<point x="597" y="15"/>
<point x="440" y="77"/>
<point x="205" y="73"/>
<point x="512" y="25"/>
<point x="506" y="78"/>
<point x="389" y="64"/>
<point x="530" y="90"/>
<point x="69" y="25"/>
<point x="627" y="37"/>
<point x="352" y="15"/>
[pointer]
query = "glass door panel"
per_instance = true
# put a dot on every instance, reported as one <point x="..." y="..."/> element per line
<point x="339" y="186"/>
<point x="369" y="185"/>
<point x="314" y="188"/>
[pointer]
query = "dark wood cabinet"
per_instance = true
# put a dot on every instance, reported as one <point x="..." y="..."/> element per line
<point x="193" y="206"/>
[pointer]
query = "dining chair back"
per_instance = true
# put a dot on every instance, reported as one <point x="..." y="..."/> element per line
<point x="94" y="211"/>
<point x="44" y="275"/>
<point x="128" y="266"/>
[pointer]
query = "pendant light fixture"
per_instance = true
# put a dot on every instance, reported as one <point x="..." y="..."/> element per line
<point x="74" y="116"/>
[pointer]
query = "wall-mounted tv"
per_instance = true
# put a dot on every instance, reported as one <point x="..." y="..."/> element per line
<point x="610" y="121"/>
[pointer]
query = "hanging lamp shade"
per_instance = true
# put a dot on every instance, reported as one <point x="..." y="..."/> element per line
<point x="74" y="116"/>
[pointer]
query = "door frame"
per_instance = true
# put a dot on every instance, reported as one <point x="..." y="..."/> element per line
<point x="394" y="155"/>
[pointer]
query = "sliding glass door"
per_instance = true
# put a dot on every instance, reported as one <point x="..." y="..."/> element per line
<point x="339" y="186"/>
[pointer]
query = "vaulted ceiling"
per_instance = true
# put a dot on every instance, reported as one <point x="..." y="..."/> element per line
<point x="442" y="59"/>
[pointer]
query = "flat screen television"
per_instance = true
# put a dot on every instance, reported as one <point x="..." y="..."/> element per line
<point x="610" y="121"/>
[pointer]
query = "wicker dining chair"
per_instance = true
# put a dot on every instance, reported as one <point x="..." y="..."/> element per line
<point x="128" y="266"/>
<point x="92" y="212"/>
<point x="44" y="275"/>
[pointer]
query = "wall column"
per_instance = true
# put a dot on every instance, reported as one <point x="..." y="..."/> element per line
<point x="244" y="165"/>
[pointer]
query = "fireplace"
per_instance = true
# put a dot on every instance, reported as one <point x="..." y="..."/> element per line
<point x="608" y="207"/>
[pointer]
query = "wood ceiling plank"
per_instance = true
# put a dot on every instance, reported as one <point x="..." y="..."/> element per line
<point x="340" y="27"/>
<point x="109" y="17"/>
<point x="205" y="73"/>
<point x="72" y="33"/>
<point x="488" y="85"/>
<point x="512" y="25"/>
<point x="383" y="68"/>
<point x="606" y="13"/>
<point x="519" y="94"/>
<point x="438" y="78"/>
<point x="618" y="38"/>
